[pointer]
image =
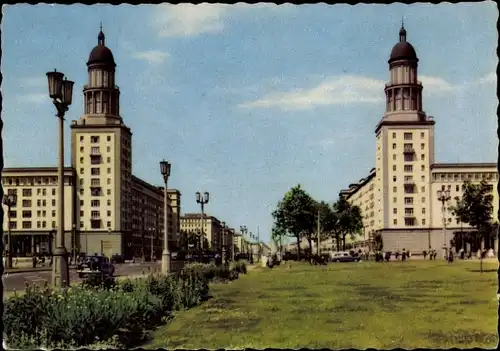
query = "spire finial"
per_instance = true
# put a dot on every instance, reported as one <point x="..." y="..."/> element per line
<point x="402" y="32"/>
<point x="101" y="26"/>
<point x="402" y="22"/>
<point x="100" y="37"/>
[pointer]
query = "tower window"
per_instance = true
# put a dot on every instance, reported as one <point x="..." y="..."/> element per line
<point x="408" y="136"/>
<point x="394" y="167"/>
<point x="408" y="168"/>
<point x="393" y="146"/>
<point x="422" y="135"/>
<point x="394" y="135"/>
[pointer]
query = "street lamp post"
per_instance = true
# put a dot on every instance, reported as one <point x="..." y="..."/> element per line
<point x="151" y="231"/>
<point x="165" y="167"/>
<point x="202" y="200"/>
<point x="224" y="242"/>
<point x="73" y="234"/>
<point x="252" y="238"/>
<point x="9" y="201"/>
<point x="243" y="230"/>
<point x="61" y="92"/>
<point x="444" y="197"/>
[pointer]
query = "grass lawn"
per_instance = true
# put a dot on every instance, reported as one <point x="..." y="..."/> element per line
<point x="427" y="304"/>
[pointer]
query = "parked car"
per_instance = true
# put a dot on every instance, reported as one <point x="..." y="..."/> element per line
<point x="116" y="258"/>
<point x="96" y="264"/>
<point x="344" y="257"/>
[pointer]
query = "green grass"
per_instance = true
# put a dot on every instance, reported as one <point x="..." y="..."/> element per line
<point x="427" y="304"/>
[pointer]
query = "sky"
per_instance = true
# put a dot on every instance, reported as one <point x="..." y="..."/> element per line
<point x="247" y="101"/>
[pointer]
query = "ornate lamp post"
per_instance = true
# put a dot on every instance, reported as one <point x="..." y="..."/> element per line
<point x="202" y="200"/>
<point x="61" y="93"/>
<point x="165" y="257"/>
<point x="444" y="197"/>
<point x="9" y="201"/>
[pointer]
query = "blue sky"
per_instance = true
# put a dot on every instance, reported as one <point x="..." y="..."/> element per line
<point x="249" y="100"/>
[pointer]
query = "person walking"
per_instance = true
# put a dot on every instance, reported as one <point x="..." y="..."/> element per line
<point x="424" y="253"/>
<point x="403" y="256"/>
<point x="450" y="256"/>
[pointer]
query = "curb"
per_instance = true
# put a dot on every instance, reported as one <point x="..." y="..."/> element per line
<point x="30" y="270"/>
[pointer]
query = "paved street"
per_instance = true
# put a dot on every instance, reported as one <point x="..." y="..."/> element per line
<point x="17" y="281"/>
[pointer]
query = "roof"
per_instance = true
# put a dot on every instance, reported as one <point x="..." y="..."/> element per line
<point x="101" y="54"/>
<point x="403" y="50"/>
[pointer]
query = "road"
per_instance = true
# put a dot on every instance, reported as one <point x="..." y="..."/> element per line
<point x="17" y="281"/>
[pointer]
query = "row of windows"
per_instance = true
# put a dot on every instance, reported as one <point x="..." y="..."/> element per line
<point x="422" y="146"/>
<point x="94" y="139"/>
<point x="410" y="222"/>
<point x="407" y="200"/>
<point x="409" y="168"/>
<point x="408" y="135"/>
<point x="464" y="176"/>
<point x="408" y="210"/>
<point x="31" y="181"/>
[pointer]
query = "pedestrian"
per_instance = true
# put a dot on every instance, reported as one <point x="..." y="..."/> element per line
<point x="270" y="263"/>
<point x="450" y="256"/>
<point x="424" y="253"/>
<point x="403" y="256"/>
<point x="396" y="255"/>
<point x="435" y="254"/>
<point x="409" y="254"/>
<point x="462" y="254"/>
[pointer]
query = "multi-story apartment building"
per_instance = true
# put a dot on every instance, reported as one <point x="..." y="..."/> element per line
<point x="241" y="244"/>
<point x="399" y="197"/>
<point x="110" y="210"/>
<point x="211" y="228"/>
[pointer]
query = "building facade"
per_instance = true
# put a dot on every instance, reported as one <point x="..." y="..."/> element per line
<point x="399" y="197"/>
<point x="108" y="209"/>
<point x="215" y="235"/>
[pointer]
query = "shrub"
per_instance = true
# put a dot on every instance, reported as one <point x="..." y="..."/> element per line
<point x="239" y="266"/>
<point x="102" y="315"/>
<point x="95" y="281"/>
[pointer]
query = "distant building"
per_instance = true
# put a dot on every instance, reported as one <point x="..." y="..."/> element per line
<point x="399" y="197"/>
<point x="212" y="229"/>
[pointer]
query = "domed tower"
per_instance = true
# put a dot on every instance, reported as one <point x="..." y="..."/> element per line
<point x="101" y="152"/>
<point x="404" y="91"/>
<point x="404" y="154"/>
<point x="101" y="95"/>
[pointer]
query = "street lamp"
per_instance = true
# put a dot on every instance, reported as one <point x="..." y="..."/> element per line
<point x="9" y="201"/>
<point x="61" y="93"/>
<point x="165" y="257"/>
<point x="444" y="197"/>
<point x="202" y="200"/>
<point x="151" y="231"/>
<point x="73" y="234"/>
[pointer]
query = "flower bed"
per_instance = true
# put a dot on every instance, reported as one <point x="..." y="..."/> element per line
<point x="105" y="312"/>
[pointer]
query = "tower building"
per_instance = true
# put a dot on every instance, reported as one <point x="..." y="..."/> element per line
<point x="107" y="209"/>
<point x="398" y="198"/>
<point x="101" y="153"/>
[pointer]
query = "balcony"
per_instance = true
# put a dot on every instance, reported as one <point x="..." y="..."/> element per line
<point x="95" y="153"/>
<point x="409" y="151"/>
<point x="409" y="182"/>
<point x="409" y="215"/>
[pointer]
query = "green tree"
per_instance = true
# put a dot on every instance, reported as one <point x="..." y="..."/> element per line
<point x="278" y="235"/>
<point x="348" y="220"/>
<point x="475" y="208"/>
<point x="295" y="214"/>
<point x="327" y="220"/>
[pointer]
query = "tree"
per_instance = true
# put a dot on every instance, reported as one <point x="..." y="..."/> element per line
<point x="348" y="220"/>
<point x="295" y="214"/>
<point x="475" y="208"/>
<point x="327" y="220"/>
<point x="278" y="235"/>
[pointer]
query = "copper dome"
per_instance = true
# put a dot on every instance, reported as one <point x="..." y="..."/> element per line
<point x="101" y="54"/>
<point x="403" y="50"/>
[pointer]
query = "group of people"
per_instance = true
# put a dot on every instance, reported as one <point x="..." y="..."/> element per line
<point x="432" y="254"/>
<point x="386" y="256"/>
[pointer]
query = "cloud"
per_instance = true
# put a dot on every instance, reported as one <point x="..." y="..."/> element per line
<point x="488" y="78"/>
<point x="152" y="56"/>
<point x="436" y="84"/>
<point x="341" y="90"/>
<point x="184" y="20"/>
